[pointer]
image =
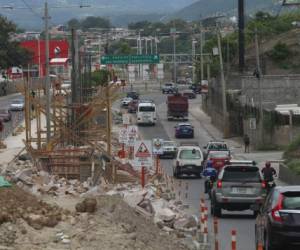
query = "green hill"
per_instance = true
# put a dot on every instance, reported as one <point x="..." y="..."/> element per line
<point x="204" y="8"/>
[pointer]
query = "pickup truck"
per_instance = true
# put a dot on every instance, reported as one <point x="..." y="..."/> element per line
<point x="177" y="107"/>
<point x="169" y="88"/>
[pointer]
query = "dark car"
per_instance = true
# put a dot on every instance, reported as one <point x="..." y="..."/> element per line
<point x="189" y="94"/>
<point x="132" y="106"/>
<point x="5" y="115"/>
<point x="278" y="221"/>
<point x="184" y="130"/>
<point x="134" y="95"/>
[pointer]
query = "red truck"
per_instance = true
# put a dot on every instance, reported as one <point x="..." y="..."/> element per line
<point x="178" y="107"/>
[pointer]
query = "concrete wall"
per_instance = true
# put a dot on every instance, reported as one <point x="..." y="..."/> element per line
<point x="275" y="89"/>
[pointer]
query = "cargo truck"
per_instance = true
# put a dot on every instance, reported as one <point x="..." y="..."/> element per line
<point x="177" y="107"/>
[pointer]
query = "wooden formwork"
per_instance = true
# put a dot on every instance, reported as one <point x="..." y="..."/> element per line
<point x="72" y="124"/>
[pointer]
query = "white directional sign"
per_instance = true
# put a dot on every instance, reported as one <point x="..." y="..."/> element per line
<point x="132" y="132"/>
<point x="126" y="119"/>
<point x="157" y="146"/>
<point x="123" y="135"/>
<point x="143" y="153"/>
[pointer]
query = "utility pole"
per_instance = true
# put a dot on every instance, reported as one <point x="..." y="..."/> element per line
<point x="174" y="54"/>
<point x="48" y="94"/>
<point x="258" y="76"/>
<point x="223" y="83"/>
<point x="201" y="53"/>
<point x="193" y="60"/>
<point x="241" y="35"/>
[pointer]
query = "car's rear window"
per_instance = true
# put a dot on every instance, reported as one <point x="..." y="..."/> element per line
<point x="187" y="154"/>
<point x="291" y="200"/>
<point x="241" y="174"/>
<point x="217" y="146"/>
<point x="147" y="109"/>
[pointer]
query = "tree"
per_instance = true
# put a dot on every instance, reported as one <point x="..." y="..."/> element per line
<point x="11" y="54"/>
<point x="95" y="22"/>
<point x="73" y="24"/>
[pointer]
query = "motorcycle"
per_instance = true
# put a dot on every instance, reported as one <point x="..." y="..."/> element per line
<point x="209" y="182"/>
<point x="270" y="185"/>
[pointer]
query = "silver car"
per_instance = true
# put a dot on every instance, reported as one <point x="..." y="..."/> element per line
<point x="238" y="186"/>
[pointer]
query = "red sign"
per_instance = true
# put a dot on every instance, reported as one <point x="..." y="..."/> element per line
<point x="143" y="151"/>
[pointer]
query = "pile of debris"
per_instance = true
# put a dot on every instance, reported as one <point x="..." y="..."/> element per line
<point x="16" y="204"/>
<point x="158" y="203"/>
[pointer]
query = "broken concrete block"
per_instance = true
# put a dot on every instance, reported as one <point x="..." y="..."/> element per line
<point x="186" y="222"/>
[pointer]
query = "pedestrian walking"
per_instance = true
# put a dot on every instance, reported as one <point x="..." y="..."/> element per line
<point x="247" y="143"/>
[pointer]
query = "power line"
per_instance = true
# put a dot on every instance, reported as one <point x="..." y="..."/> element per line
<point x="31" y="9"/>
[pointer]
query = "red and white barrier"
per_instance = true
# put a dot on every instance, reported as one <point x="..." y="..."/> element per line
<point x="233" y="239"/>
<point x="216" y="231"/>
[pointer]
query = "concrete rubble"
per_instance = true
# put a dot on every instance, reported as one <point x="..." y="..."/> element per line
<point x="79" y="207"/>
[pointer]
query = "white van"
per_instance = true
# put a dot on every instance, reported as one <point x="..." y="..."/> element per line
<point x="146" y="113"/>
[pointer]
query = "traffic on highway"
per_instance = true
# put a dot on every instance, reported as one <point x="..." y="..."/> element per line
<point x="236" y="188"/>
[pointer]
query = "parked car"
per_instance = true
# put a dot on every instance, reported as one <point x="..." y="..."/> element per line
<point x="184" y="130"/>
<point x="132" y="106"/>
<point x="169" y="88"/>
<point x="125" y="101"/>
<point x="17" y="105"/>
<point x="239" y="185"/>
<point x="169" y="149"/>
<point x="189" y="160"/>
<point x="278" y="221"/>
<point x="196" y="88"/>
<point x="215" y="146"/>
<point x="5" y="115"/>
<point x="218" y="158"/>
<point x="134" y="95"/>
<point x="189" y="94"/>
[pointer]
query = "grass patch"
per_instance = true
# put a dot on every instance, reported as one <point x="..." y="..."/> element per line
<point x="294" y="165"/>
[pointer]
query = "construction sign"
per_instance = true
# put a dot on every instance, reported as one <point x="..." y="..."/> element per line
<point x="143" y="153"/>
<point x="132" y="132"/>
<point x="123" y="135"/>
<point x="158" y="146"/>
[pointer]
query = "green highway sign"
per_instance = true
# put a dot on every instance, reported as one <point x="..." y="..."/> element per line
<point x="130" y="59"/>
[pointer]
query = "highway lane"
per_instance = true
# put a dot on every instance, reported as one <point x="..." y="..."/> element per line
<point x="17" y="116"/>
<point x="241" y="221"/>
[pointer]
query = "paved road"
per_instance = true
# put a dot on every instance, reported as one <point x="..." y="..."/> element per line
<point x="17" y="116"/>
<point x="241" y="221"/>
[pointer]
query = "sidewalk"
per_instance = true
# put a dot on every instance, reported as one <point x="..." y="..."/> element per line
<point x="236" y="144"/>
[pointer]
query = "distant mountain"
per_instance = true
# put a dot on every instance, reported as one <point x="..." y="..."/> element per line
<point x="206" y="8"/>
<point x="120" y="12"/>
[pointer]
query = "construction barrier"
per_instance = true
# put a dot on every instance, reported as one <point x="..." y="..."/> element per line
<point x="260" y="246"/>
<point x="216" y="231"/>
<point x="233" y="239"/>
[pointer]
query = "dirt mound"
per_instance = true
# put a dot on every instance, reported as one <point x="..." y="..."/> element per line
<point x="16" y="203"/>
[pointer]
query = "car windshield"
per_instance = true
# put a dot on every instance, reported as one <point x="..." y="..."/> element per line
<point x="218" y="155"/>
<point x="169" y="143"/>
<point x="217" y="146"/>
<point x="168" y="84"/>
<point x="241" y="174"/>
<point x="291" y="200"/>
<point x="17" y="102"/>
<point x="190" y="154"/>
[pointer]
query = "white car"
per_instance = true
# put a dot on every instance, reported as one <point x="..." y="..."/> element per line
<point x="125" y="101"/>
<point x="169" y="149"/>
<point x="17" y="105"/>
<point x="189" y="160"/>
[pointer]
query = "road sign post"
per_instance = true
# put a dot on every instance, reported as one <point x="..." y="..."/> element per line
<point x="157" y="145"/>
<point x="130" y="59"/>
